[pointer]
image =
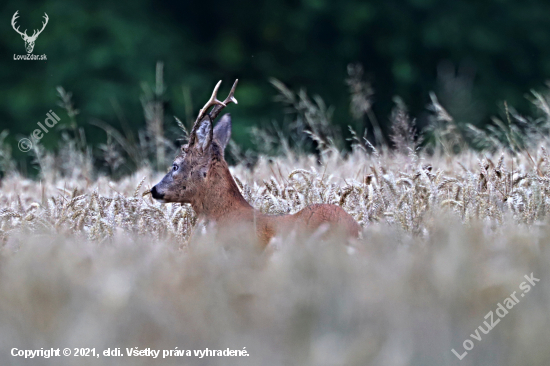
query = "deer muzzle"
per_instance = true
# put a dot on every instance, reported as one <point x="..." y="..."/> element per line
<point x="156" y="194"/>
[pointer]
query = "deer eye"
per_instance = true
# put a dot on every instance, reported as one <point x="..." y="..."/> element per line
<point x="175" y="168"/>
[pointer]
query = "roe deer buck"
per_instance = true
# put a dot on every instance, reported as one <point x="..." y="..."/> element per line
<point x="200" y="176"/>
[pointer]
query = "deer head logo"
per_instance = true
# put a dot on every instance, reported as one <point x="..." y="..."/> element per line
<point x="29" y="41"/>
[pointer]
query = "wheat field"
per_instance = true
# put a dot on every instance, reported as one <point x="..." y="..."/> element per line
<point x="99" y="264"/>
<point x="455" y="234"/>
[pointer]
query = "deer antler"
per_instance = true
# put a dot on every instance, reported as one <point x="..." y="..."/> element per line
<point x="34" y="35"/>
<point x="218" y="106"/>
<point x="15" y="16"/>
<point x="211" y="102"/>
<point x="230" y="99"/>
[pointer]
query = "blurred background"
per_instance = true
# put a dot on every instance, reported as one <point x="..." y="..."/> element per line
<point x="87" y="259"/>
<point x="473" y="54"/>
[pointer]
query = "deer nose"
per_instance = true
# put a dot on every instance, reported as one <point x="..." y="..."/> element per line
<point x="155" y="193"/>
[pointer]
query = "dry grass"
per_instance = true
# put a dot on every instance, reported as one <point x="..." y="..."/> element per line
<point x="406" y="192"/>
<point x="95" y="264"/>
<point x="448" y="233"/>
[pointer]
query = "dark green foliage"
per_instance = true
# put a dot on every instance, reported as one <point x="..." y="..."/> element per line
<point x="102" y="51"/>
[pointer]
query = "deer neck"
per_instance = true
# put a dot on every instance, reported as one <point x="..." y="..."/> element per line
<point x="220" y="199"/>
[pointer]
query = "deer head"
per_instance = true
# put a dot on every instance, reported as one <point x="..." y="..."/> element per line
<point x="192" y="173"/>
<point x="29" y="41"/>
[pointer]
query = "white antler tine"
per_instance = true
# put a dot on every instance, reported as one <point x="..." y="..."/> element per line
<point x="215" y="91"/>
<point x="16" y="28"/>
<point x="231" y="96"/>
<point x="46" y="18"/>
<point x="230" y="99"/>
<point x="214" y="98"/>
<point x="212" y="101"/>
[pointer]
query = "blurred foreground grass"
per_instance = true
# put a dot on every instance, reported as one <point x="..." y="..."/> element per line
<point x="89" y="260"/>
<point x="94" y="264"/>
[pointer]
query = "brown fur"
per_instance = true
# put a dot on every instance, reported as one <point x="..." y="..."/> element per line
<point x="201" y="177"/>
<point x="223" y="203"/>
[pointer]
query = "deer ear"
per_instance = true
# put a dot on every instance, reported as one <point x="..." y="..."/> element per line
<point x="222" y="131"/>
<point x="204" y="135"/>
